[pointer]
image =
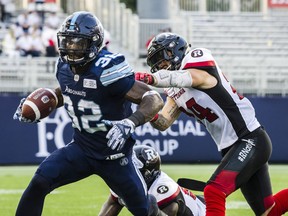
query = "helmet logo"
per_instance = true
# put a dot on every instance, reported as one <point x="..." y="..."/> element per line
<point x="151" y="154"/>
<point x="162" y="189"/>
<point x="172" y="44"/>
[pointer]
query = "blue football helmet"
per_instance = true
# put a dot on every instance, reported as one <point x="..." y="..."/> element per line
<point x="168" y="47"/>
<point x="80" y="38"/>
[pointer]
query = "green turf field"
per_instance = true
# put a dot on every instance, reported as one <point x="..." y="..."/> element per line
<point x="86" y="197"/>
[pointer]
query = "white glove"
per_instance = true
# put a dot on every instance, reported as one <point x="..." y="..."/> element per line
<point x="18" y="113"/>
<point x="119" y="133"/>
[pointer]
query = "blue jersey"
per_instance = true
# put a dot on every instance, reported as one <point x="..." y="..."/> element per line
<point x="97" y="94"/>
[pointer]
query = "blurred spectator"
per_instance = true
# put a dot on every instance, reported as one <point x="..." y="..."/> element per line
<point x="52" y="20"/>
<point x="34" y="19"/>
<point x="9" y="44"/>
<point x="28" y="36"/>
<point x="30" y="44"/>
<point x="29" y="18"/>
<point x="17" y="30"/>
<point x="49" y="38"/>
<point x="22" y="19"/>
<point x="7" y="7"/>
<point x="2" y="10"/>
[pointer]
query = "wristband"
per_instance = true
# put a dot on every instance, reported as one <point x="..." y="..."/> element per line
<point x="137" y="118"/>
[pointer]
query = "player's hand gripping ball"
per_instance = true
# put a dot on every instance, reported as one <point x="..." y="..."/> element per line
<point x="38" y="105"/>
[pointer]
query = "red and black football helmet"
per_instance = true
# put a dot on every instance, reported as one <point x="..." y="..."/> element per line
<point x="80" y="38"/>
<point x="151" y="161"/>
<point x="166" y="46"/>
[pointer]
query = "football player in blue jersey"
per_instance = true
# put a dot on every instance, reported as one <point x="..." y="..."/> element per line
<point x="96" y="88"/>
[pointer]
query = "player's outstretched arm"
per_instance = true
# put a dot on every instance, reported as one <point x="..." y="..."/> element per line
<point x="149" y="104"/>
<point x="180" y="78"/>
<point x="166" y="78"/>
<point x="167" y="116"/>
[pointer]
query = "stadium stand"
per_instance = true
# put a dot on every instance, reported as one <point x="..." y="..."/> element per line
<point x="251" y="47"/>
<point x="24" y="75"/>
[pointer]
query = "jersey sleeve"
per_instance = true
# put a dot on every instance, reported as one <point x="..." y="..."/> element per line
<point x="117" y="69"/>
<point x="199" y="58"/>
<point x="118" y="75"/>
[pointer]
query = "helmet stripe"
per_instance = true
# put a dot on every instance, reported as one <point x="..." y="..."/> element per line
<point x="73" y="21"/>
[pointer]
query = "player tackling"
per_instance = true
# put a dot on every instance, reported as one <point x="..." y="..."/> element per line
<point x="195" y="85"/>
<point x="171" y="198"/>
<point x="95" y="85"/>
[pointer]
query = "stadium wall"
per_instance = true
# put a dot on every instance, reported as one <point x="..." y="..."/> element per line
<point x="186" y="141"/>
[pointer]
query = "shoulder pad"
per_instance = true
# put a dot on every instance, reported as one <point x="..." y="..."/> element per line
<point x="114" y="68"/>
<point x="197" y="58"/>
<point x="163" y="188"/>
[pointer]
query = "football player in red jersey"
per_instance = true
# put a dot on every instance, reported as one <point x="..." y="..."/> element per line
<point x="171" y="198"/>
<point x="195" y="85"/>
<point x="96" y="87"/>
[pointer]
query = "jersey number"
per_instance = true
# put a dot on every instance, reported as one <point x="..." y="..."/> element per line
<point x="199" y="111"/>
<point x="90" y="115"/>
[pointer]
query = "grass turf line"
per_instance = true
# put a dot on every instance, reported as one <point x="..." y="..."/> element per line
<point x="86" y="197"/>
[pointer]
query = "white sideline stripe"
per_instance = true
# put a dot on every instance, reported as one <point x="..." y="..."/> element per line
<point x="237" y="205"/>
<point x="229" y="205"/>
<point x="34" y="108"/>
<point x="11" y="191"/>
<point x="20" y="191"/>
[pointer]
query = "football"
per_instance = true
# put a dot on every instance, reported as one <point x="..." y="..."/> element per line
<point x="39" y="104"/>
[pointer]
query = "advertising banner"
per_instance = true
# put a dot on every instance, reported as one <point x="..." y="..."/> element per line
<point x="187" y="141"/>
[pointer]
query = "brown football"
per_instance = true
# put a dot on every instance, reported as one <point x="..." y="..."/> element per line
<point x="39" y="104"/>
